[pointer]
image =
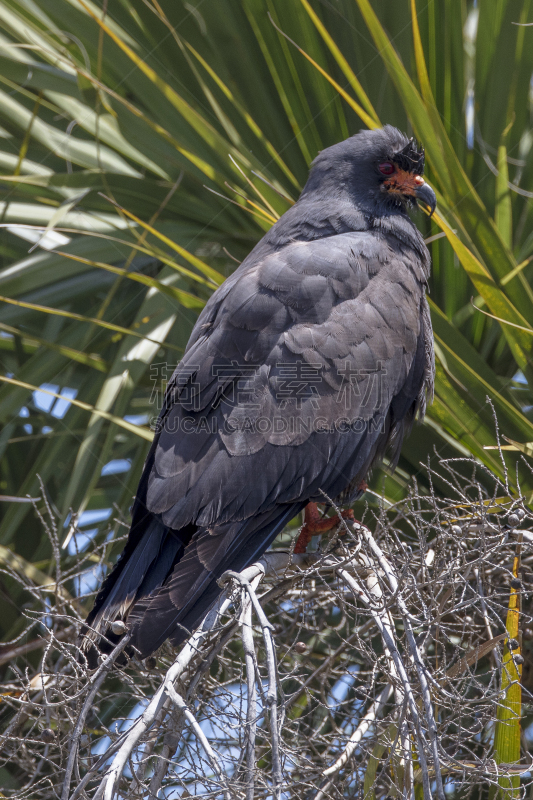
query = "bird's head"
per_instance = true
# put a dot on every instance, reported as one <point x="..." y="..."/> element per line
<point x="381" y="170"/>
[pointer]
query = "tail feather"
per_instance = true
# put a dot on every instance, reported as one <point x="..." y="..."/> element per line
<point x="136" y="575"/>
<point x="133" y="574"/>
<point x="170" y="549"/>
<point x="180" y="605"/>
<point x="166" y="580"/>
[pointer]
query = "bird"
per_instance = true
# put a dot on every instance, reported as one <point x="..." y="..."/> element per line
<point x="305" y="368"/>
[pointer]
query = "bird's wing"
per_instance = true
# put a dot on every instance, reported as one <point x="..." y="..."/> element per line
<point x="288" y="380"/>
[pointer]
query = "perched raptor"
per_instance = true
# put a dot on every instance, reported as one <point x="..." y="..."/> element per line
<point x="307" y="365"/>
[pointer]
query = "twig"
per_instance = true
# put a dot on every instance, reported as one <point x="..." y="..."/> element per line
<point x="97" y="680"/>
<point x="180" y="703"/>
<point x="371" y="715"/>
<point x="271" y="698"/>
<point x="251" y="712"/>
<point x="415" y="653"/>
<point x="143" y="723"/>
<point x="389" y="642"/>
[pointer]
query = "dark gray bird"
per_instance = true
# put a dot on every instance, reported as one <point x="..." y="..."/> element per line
<point x="305" y="367"/>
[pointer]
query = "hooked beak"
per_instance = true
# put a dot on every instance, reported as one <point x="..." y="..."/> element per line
<point x="427" y="195"/>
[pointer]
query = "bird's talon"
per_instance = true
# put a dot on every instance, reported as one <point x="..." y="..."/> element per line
<point x="313" y="524"/>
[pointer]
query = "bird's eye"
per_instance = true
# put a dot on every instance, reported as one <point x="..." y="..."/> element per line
<point x="386" y="168"/>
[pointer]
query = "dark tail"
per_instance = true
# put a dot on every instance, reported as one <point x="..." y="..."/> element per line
<point x="143" y="567"/>
<point x="165" y="581"/>
<point x="180" y="605"/>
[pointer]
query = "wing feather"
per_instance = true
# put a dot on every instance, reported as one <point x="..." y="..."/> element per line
<point x="251" y="394"/>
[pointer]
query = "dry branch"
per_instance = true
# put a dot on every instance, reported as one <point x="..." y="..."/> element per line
<point x="372" y="661"/>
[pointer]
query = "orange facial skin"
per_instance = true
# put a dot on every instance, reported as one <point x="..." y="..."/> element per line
<point x="402" y="182"/>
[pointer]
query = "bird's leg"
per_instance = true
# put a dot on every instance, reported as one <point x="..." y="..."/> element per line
<point x="314" y="524"/>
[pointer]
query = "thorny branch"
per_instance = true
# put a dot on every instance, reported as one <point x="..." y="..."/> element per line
<point x="369" y="667"/>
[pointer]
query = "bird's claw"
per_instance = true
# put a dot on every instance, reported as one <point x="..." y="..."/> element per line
<point x="314" y="524"/>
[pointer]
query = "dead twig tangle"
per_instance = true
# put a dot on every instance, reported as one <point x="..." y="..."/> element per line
<point x="379" y="664"/>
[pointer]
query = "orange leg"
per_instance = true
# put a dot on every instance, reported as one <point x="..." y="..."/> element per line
<point x="314" y="524"/>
